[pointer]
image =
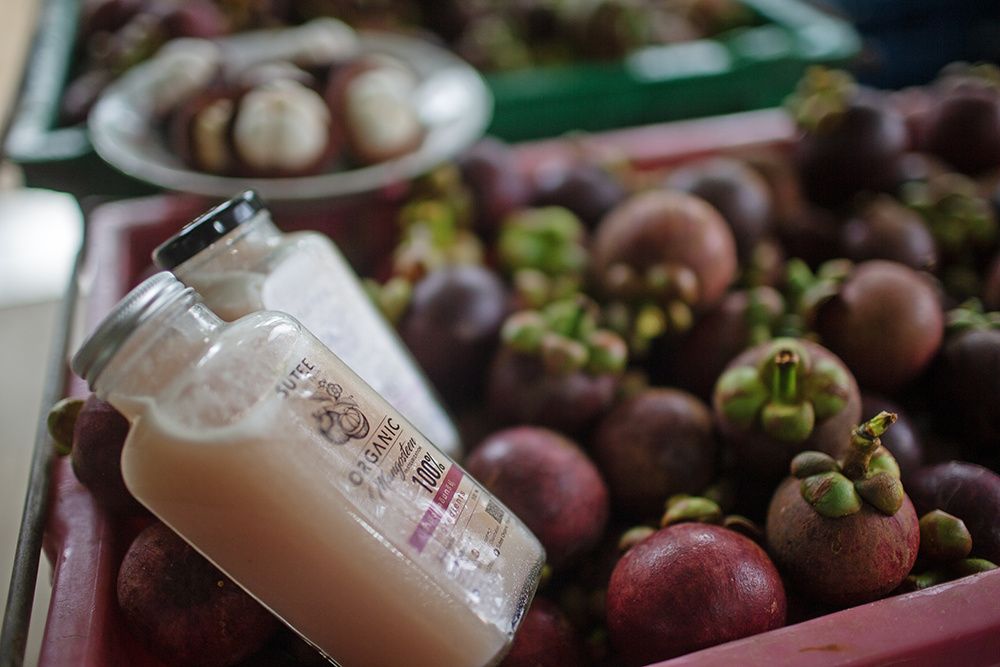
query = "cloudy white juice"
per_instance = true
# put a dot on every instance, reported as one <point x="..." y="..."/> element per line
<point x="278" y="463"/>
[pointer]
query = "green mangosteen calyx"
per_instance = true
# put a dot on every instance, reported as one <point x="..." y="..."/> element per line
<point x="645" y="305"/>
<point x="867" y="474"/>
<point x="543" y="250"/>
<point x="683" y="508"/>
<point x="944" y="537"/>
<point x="821" y="96"/>
<point x="786" y="394"/>
<point x="963" y="567"/>
<point x="565" y="336"/>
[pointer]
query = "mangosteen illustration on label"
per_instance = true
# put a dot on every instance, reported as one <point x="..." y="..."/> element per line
<point x="339" y="417"/>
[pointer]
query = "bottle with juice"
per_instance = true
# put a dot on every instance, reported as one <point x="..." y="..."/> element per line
<point x="240" y="262"/>
<point x="275" y="460"/>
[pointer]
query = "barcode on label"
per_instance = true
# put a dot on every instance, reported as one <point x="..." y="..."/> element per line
<point x="494" y="510"/>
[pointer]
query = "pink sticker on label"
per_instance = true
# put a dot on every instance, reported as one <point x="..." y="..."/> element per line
<point x="432" y="517"/>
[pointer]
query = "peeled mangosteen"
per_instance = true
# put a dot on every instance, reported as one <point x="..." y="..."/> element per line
<point x="182" y="609"/>
<point x="653" y="444"/>
<point x="967" y="491"/>
<point x="372" y="103"/>
<point x="548" y="481"/>
<point x="782" y="397"/>
<point x="844" y="531"/>
<point x="690" y="586"/>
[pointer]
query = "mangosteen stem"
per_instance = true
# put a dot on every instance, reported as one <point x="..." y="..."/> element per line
<point x="783" y="387"/>
<point x="864" y="442"/>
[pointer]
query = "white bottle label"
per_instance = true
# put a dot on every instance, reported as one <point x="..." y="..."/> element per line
<point x="328" y="299"/>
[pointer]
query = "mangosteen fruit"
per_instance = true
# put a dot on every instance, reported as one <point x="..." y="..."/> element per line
<point x="372" y="100"/>
<point x="182" y="609"/>
<point x="452" y="326"/>
<point x="963" y="123"/>
<point x="546" y="637"/>
<point x="883" y="319"/>
<point x="853" y="140"/>
<point x="744" y="318"/>
<point x="544" y="251"/>
<point x="555" y="368"/>
<point x="690" y="586"/>
<point x="782" y="397"/>
<point x="653" y="444"/>
<point x="491" y="169"/>
<point x="282" y="128"/>
<point x="884" y="228"/>
<point x="968" y="491"/>
<point x="662" y="257"/>
<point x="99" y="434"/>
<point x="585" y="188"/>
<point x="966" y="382"/>
<point x="736" y="190"/>
<point x="844" y="531"/>
<point x="548" y="481"/>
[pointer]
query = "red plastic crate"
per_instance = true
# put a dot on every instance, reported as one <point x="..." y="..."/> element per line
<point x="951" y="625"/>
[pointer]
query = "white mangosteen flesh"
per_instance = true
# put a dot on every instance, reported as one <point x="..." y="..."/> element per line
<point x="282" y="126"/>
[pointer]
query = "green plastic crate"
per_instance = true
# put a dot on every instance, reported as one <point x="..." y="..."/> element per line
<point x="743" y="69"/>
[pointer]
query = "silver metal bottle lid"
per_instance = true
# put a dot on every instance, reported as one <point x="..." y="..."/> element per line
<point x="145" y="301"/>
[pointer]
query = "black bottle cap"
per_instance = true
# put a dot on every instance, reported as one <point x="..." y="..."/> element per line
<point x="207" y="229"/>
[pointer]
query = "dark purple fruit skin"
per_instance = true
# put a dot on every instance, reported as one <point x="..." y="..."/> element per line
<point x="520" y="391"/>
<point x="768" y="457"/>
<point x="452" y="327"/>
<point x="715" y="339"/>
<point x="499" y="186"/>
<point x="886" y="324"/>
<point x="963" y="127"/>
<point x="902" y="439"/>
<point x="841" y="562"/>
<point x="658" y="226"/>
<point x="737" y="191"/>
<point x="857" y="151"/>
<point x="583" y="188"/>
<point x="690" y="586"/>
<point x="812" y="234"/>
<point x="885" y="229"/>
<point x="968" y="385"/>
<point x="182" y="609"/>
<point x="654" y="444"/>
<point x="98" y="437"/>
<point x="546" y="638"/>
<point x="550" y="483"/>
<point x="966" y="490"/>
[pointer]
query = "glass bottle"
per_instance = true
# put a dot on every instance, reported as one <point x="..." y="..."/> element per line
<point x="275" y="460"/>
<point x="240" y="262"/>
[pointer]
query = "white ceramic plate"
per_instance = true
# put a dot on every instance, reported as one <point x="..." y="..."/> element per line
<point x="452" y="100"/>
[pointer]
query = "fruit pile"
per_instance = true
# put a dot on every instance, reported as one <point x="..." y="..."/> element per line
<point x="729" y="395"/>
<point x="117" y="34"/>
